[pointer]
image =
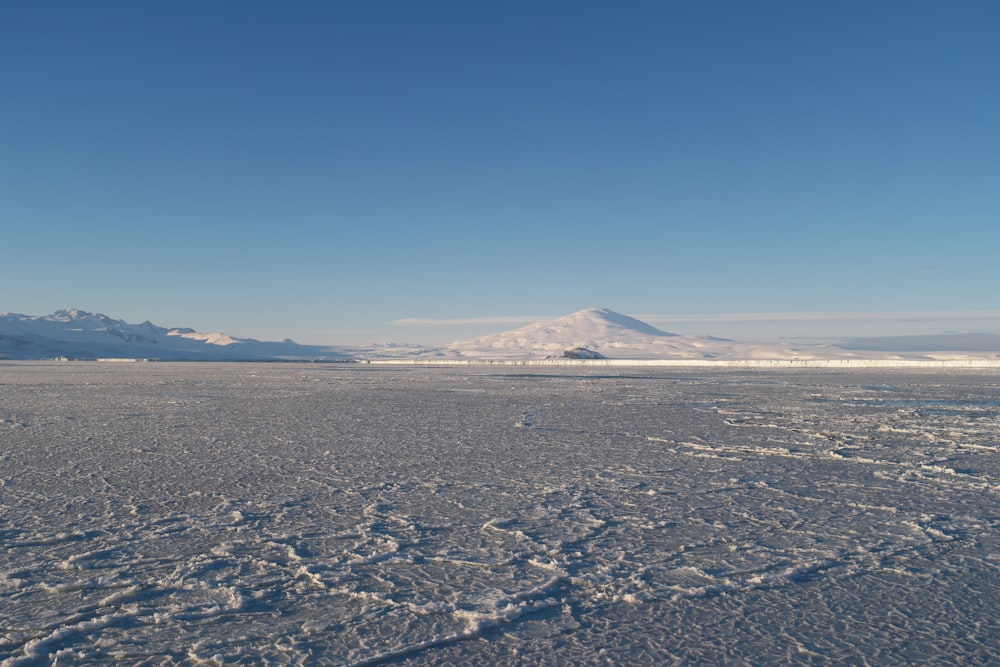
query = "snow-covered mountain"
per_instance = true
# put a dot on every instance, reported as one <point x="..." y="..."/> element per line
<point x="78" y="334"/>
<point x="590" y="333"/>
<point x="616" y="336"/>
<point x="599" y="330"/>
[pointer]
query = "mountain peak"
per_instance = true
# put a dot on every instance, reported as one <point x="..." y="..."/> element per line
<point x="74" y="314"/>
<point x="607" y="317"/>
<point x="595" y="329"/>
<point x="79" y="334"/>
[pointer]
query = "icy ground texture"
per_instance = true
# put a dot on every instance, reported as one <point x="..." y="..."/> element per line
<point x="329" y="514"/>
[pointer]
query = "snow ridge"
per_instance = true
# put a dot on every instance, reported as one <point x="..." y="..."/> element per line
<point x="608" y="320"/>
<point x="598" y="330"/>
<point x="78" y="334"/>
<point x="617" y="337"/>
<point x="593" y="333"/>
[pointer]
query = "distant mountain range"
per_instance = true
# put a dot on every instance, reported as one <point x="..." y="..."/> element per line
<point x="77" y="334"/>
<point x="589" y="333"/>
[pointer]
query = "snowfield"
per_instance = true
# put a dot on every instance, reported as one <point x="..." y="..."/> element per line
<point x="350" y="514"/>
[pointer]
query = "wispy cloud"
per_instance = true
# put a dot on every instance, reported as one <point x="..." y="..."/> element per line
<point x="823" y="317"/>
<point x="901" y="316"/>
<point x="429" y="322"/>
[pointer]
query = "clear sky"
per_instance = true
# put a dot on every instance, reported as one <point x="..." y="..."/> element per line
<point x="358" y="171"/>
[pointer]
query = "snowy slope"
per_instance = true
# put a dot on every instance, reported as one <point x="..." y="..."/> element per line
<point x="600" y="330"/>
<point x="617" y="336"/>
<point x="78" y="334"/>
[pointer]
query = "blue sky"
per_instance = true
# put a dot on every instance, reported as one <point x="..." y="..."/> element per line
<point x="349" y="172"/>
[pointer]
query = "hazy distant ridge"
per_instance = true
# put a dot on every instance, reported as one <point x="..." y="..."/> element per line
<point x="79" y="334"/>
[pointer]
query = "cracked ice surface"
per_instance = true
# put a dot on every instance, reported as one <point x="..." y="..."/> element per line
<point x="168" y="514"/>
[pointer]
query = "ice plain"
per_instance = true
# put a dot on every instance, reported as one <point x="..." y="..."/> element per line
<point x="342" y="514"/>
